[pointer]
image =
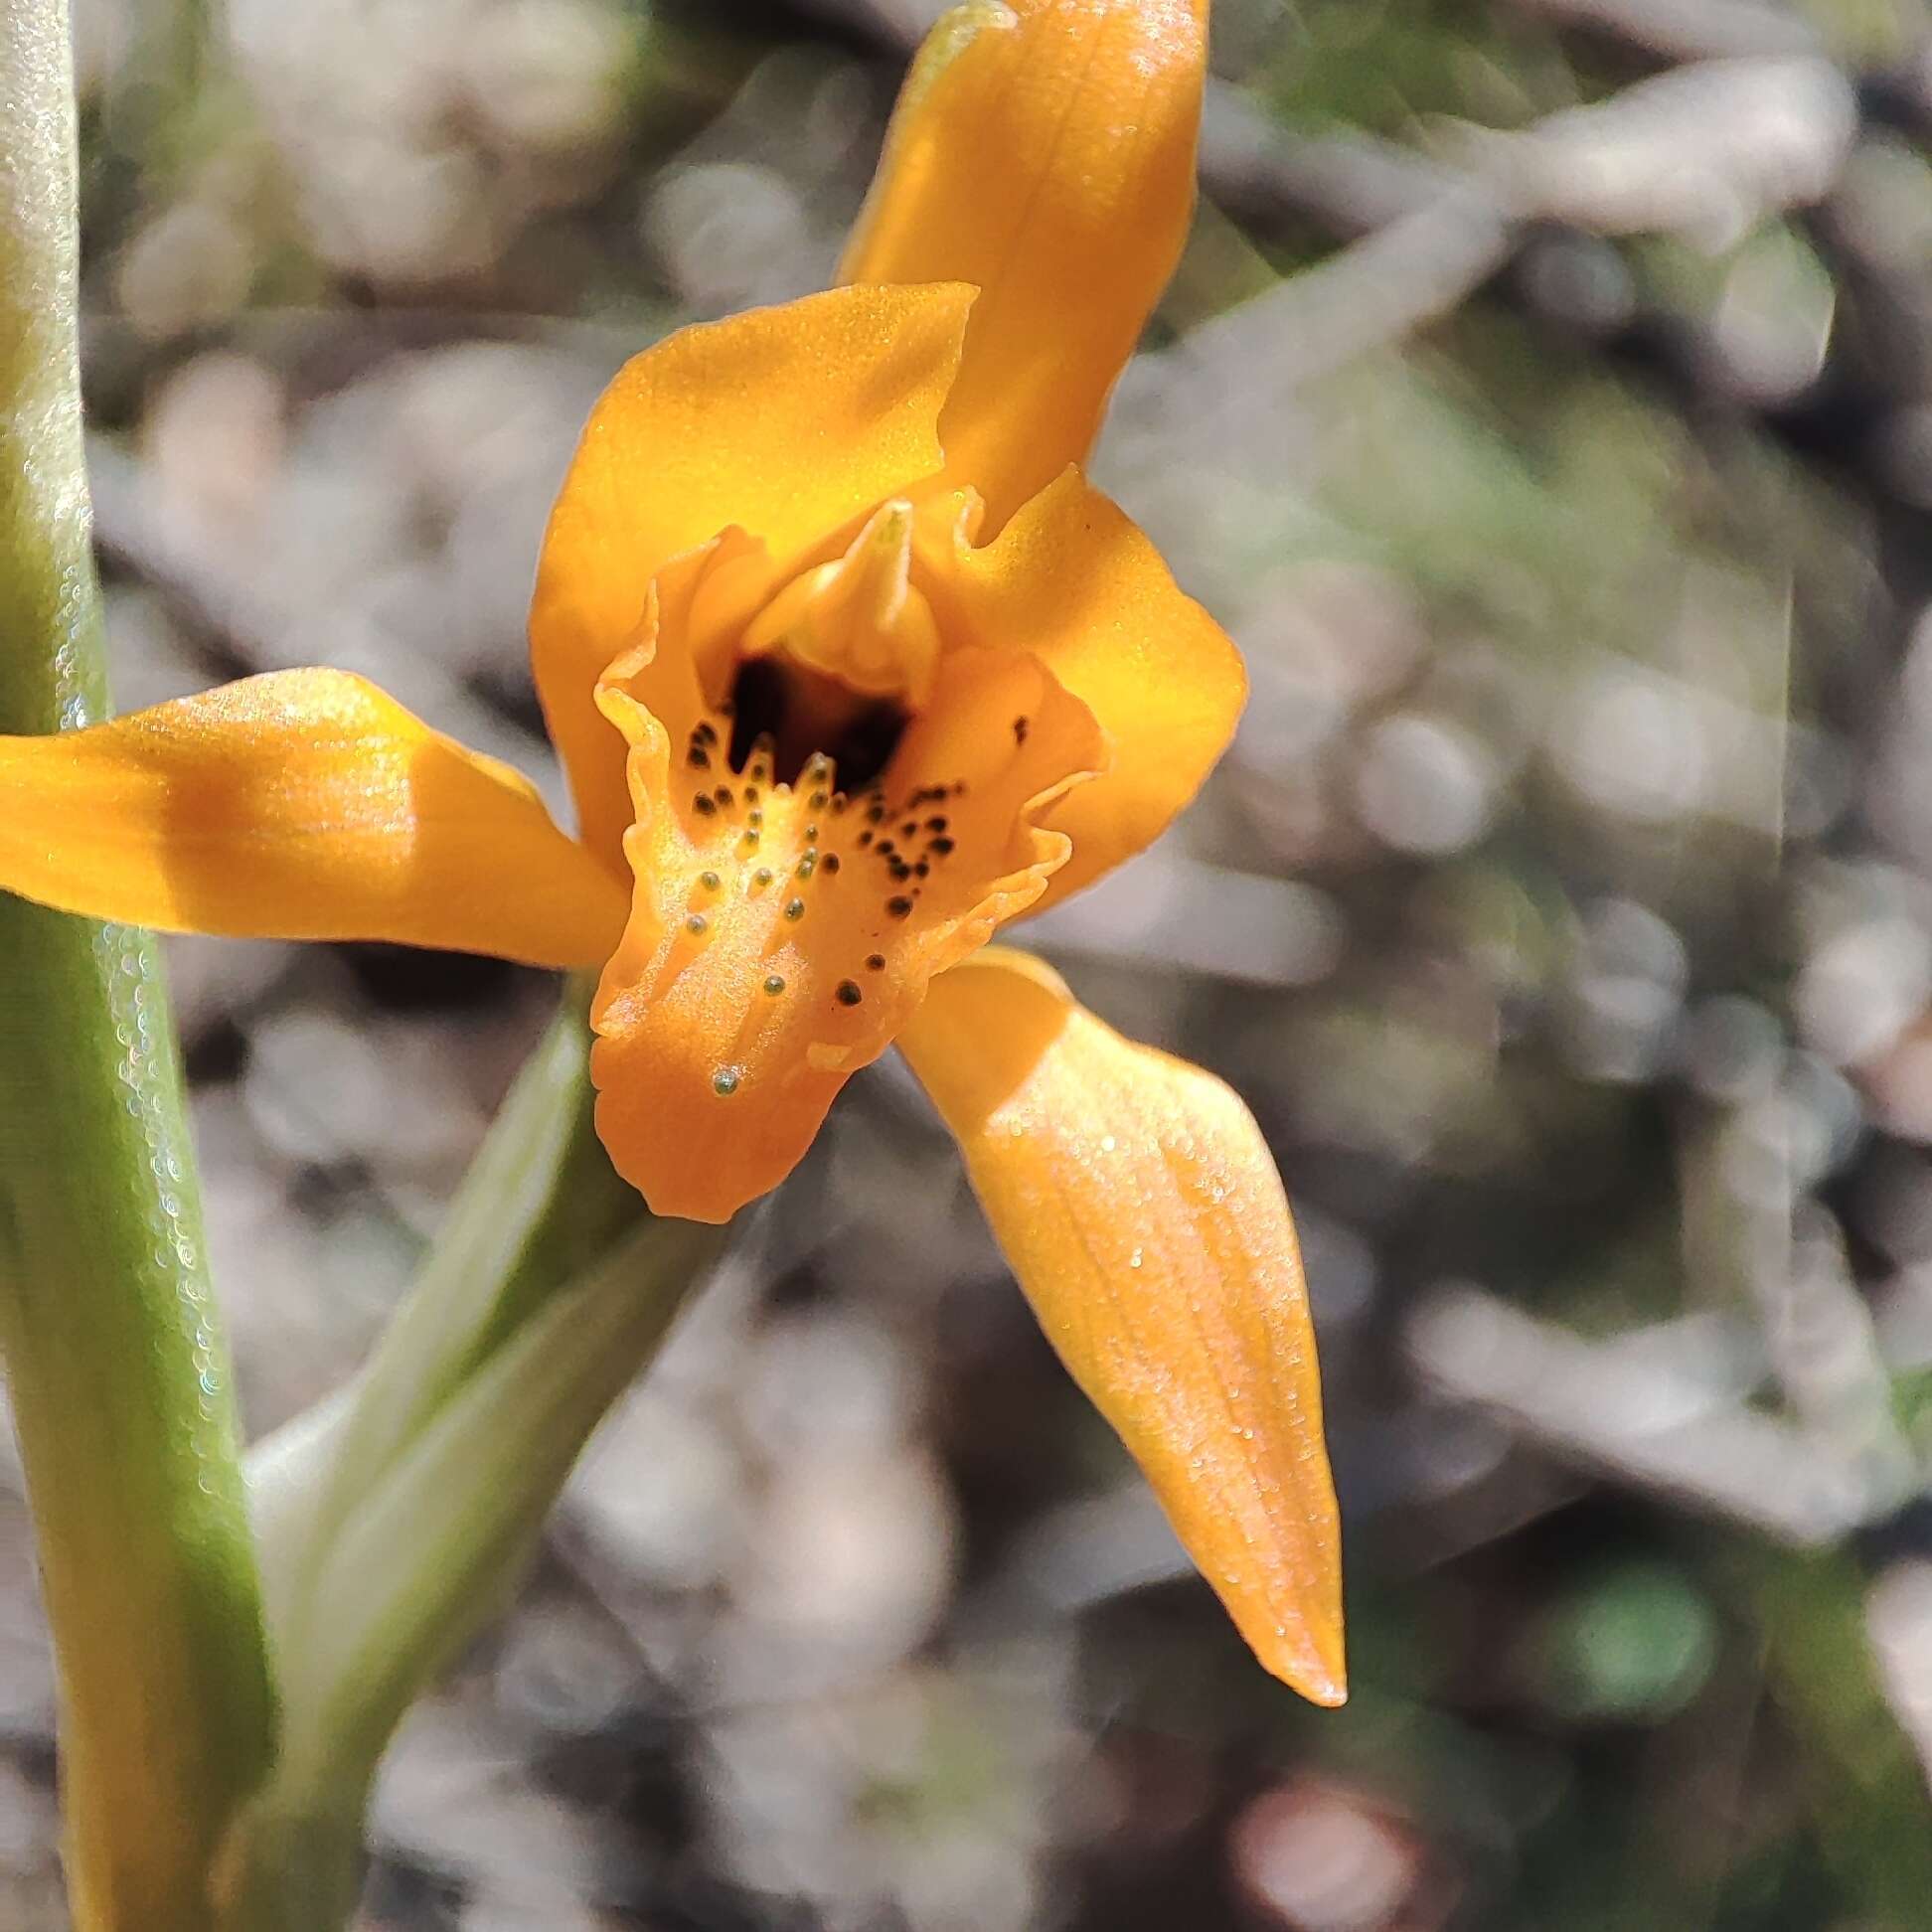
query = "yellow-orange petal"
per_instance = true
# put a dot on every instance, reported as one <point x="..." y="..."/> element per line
<point x="780" y="935"/>
<point x="1139" y="1206"/>
<point x="789" y="423"/>
<point x="1075" y="581"/>
<point x="1047" y="155"/>
<point x="300" y="805"/>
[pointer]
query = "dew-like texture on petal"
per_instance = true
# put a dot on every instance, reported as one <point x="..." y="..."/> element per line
<point x="1139" y="1209"/>
<point x="299" y="805"/>
<point x="1072" y="580"/>
<point x="780" y="935"/>
<point x="790" y="422"/>
<point x="1045" y="153"/>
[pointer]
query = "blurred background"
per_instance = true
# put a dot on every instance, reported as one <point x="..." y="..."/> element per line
<point x="1546" y="403"/>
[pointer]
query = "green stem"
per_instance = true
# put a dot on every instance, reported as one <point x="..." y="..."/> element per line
<point x="395" y="1521"/>
<point x="118" y="1378"/>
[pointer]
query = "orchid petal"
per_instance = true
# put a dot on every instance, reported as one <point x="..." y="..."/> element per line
<point x="1045" y="154"/>
<point x="1072" y="581"/>
<point x="786" y="422"/>
<point x="300" y="805"/>
<point x="1140" y="1208"/>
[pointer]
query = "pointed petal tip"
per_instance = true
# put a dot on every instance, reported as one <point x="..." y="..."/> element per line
<point x="1329" y="1694"/>
<point x="1315" y="1681"/>
<point x="1307" y="1653"/>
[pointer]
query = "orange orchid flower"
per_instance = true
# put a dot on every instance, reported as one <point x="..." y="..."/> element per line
<point x="849" y="667"/>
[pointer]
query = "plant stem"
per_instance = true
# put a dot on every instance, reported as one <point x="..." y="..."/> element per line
<point x="118" y="1377"/>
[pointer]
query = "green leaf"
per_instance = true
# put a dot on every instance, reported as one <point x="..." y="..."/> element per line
<point x="396" y="1518"/>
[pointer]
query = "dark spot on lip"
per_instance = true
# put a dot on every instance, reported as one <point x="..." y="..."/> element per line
<point x="1020" y="729"/>
<point x="830" y="862"/>
<point x="941" y="847"/>
<point x="899" y="907"/>
<point x="698" y="757"/>
<point x="935" y="824"/>
<point x="703" y="805"/>
<point x="848" y="993"/>
<point x="874" y="962"/>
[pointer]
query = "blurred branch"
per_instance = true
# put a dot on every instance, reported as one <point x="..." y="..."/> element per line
<point x="1174" y="912"/>
<point x="1705" y="151"/>
<point x="210" y="600"/>
<point x="1405" y="275"/>
<point x="1686" y="30"/>
<point x="1635" y="1409"/>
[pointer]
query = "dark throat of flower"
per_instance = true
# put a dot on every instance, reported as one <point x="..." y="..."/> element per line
<point x="799" y="714"/>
